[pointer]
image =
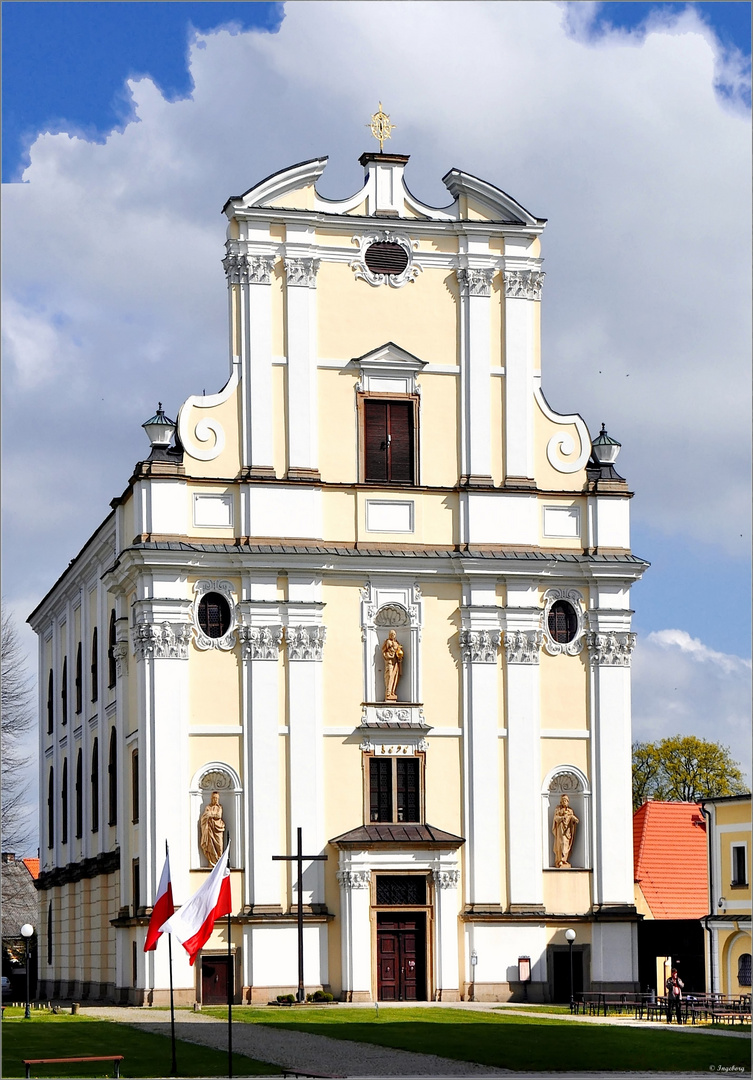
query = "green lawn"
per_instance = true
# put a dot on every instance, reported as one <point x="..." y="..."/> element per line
<point x="511" y="1041"/>
<point x="46" y="1035"/>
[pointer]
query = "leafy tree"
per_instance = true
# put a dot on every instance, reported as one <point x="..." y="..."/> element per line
<point x="17" y="717"/>
<point x="683" y="768"/>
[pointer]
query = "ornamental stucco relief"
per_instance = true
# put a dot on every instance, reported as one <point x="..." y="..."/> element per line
<point x="260" y="642"/>
<point x="480" y="646"/>
<point x="301" y="272"/>
<point x="524" y="284"/>
<point x="395" y="281"/>
<point x="354" y="879"/>
<point x="611" y="649"/>
<point x="161" y="641"/>
<point x="446" y="879"/>
<point x="523" y="646"/>
<point x="305" y="642"/>
<point x="478" y="281"/>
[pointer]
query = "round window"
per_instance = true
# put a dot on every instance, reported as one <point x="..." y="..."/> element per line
<point x="214" y="615"/>
<point x="386" y="257"/>
<point x="562" y="622"/>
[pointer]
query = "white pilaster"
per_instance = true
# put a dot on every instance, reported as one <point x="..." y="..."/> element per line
<point x="475" y="364"/>
<point x="304" y="642"/>
<point x="523" y="639"/>
<point x="248" y="266"/>
<point x="446" y="966"/>
<point x="610" y="646"/>
<point x="355" y="931"/>
<point x="261" y="637"/>
<point x="523" y="280"/>
<point x="479" y="642"/>
<point x="300" y="312"/>
<point x="161" y="643"/>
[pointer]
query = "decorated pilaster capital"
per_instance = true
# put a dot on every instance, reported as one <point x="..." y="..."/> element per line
<point x="524" y="284"/>
<point x="446" y="879"/>
<point x="480" y="646"/>
<point x="302" y="272"/>
<point x="236" y="268"/>
<point x="354" y="879"/>
<point x="613" y="649"/>
<point x="161" y="641"/>
<point x="120" y="654"/>
<point x="305" y="642"/>
<point x="523" y="646"/>
<point x="260" y="642"/>
<point x="478" y="281"/>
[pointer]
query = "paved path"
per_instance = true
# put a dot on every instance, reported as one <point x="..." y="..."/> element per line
<point x="294" y="1050"/>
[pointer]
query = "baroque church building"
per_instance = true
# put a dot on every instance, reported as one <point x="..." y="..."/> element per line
<point x="375" y="589"/>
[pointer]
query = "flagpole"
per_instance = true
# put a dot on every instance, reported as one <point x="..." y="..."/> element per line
<point x="174" y="1065"/>
<point x="230" y="982"/>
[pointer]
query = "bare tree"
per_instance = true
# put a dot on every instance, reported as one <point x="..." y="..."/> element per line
<point x="17" y="719"/>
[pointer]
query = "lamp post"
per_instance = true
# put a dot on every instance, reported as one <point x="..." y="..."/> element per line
<point x="26" y="932"/>
<point x="570" y="938"/>
<point x="474" y="961"/>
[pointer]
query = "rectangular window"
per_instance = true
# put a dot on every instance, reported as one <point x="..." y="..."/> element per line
<point x="136" y="887"/>
<point x="388" y="441"/>
<point x="739" y="865"/>
<point x="394" y="789"/>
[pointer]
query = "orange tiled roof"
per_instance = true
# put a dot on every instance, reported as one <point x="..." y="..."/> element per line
<point x="32" y="865"/>
<point x="670" y="859"/>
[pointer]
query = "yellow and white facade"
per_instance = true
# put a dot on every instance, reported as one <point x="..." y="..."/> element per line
<point x="728" y="941"/>
<point x="489" y="516"/>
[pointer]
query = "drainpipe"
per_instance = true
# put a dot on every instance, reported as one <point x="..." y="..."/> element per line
<point x="707" y="814"/>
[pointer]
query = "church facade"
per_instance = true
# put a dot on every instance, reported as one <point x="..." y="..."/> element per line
<point x="375" y="589"/>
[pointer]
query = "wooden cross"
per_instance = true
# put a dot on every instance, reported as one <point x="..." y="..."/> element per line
<point x="299" y="857"/>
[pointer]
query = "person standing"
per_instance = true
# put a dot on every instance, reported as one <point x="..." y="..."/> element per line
<point x="674" y="985"/>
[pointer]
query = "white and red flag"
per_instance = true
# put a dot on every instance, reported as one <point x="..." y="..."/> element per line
<point x="193" y="923"/>
<point x="163" y="908"/>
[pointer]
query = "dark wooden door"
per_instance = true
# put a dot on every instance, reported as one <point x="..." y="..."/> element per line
<point x="214" y="973"/>
<point x="401" y="949"/>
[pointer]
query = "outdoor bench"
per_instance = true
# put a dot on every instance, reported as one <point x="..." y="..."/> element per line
<point x="28" y="1062"/>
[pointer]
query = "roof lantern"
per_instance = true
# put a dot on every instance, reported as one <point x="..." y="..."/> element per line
<point x="605" y="449"/>
<point x="160" y="429"/>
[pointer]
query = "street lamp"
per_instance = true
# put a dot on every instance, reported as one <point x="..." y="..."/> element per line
<point x="570" y="938"/>
<point x="26" y="932"/>
<point x="474" y="961"/>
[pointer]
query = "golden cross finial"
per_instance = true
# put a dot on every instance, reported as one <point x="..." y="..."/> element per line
<point x="381" y="128"/>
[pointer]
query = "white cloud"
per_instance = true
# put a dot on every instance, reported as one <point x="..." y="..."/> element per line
<point x="681" y="686"/>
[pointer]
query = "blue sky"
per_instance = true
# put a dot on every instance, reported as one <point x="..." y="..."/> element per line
<point x="626" y="125"/>
<point x="73" y="77"/>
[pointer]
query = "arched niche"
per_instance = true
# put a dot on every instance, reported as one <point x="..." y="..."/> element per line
<point x="567" y="780"/>
<point x="385" y="608"/>
<point x="222" y="778"/>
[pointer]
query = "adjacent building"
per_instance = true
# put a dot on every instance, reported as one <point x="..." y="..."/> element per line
<point x="727" y="923"/>
<point x="671" y="893"/>
<point x="376" y="588"/>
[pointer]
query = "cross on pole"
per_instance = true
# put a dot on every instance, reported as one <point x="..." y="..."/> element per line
<point x="298" y="858"/>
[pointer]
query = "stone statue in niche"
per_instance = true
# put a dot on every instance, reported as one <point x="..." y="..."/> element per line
<point x="393" y="654"/>
<point x="212" y="830"/>
<point x="563" y="828"/>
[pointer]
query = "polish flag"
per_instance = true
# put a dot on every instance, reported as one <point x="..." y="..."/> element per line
<point x="163" y="908"/>
<point x="193" y="923"/>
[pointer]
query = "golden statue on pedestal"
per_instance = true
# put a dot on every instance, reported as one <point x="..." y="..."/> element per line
<point x="393" y="654"/>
